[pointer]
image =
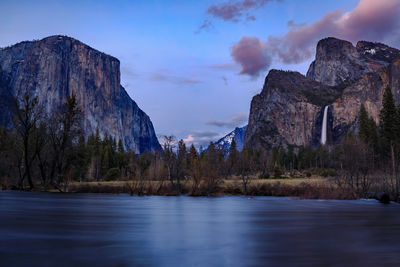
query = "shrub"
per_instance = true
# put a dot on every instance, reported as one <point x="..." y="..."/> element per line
<point x="277" y="172"/>
<point x="264" y="176"/>
<point x="113" y="174"/>
<point x="327" y="172"/>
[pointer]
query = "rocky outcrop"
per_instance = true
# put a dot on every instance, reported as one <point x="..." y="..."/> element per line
<point x="368" y="90"/>
<point x="225" y="142"/>
<point x="58" y="66"/>
<point x="289" y="109"/>
<point x="338" y="61"/>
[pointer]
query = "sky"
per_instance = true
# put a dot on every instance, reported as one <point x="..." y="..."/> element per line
<point x="193" y="66"/>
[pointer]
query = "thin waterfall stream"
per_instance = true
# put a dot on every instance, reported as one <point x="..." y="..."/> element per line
<point x="324" y="126"/>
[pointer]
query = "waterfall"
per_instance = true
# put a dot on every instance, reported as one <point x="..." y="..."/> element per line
<point x="324" y="126"/>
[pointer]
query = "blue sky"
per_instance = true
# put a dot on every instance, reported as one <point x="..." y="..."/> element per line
<point x="187" y="80"/>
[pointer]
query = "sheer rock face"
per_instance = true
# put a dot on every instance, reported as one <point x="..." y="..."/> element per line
<point x="58" y="66"/>
<point x="289" y="109"/>
<point x="368" y="90"/>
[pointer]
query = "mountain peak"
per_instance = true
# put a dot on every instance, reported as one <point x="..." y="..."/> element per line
<point x="377" y="51"/>
<point x="332" y="45"/>
<point x="338" y="61"/>
<point x="225" y="142"/>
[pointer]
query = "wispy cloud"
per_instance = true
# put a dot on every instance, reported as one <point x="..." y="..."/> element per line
<point x="369" y="20"/>
<point x="236" y="10"/>
<point x="234" y="121"/>
<point x="229" y="66"/>
<point x="128" y="72"/>
<point x="233" y="11"/>
<point x="188" y="139"/>
<point x="173" y="79"/>
<point x="225" y="80"/>
<point x="206" y="25"/>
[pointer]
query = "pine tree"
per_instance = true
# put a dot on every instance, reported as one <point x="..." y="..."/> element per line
<point x="387" y="116"/>
<point x="388" y="124"/>
<point x="233" y="157"/>
<point x="373" y="138"/>
<point x="120" y="146"/>
<point x="194" y="168"/>
<point x="182" y="158"/>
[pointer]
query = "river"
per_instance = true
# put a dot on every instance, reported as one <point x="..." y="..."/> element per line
<point x="53" y="229"/>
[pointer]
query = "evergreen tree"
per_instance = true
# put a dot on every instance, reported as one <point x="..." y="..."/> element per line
<point x="388" y="116"/>
<point x="388" y="125"/>
<point x="233" y="157"/>
<point x="120" y="146"/>
<point x="194" y="168"/>
<point x="373" y="138"/>
<point x="212" y="153"/>
<point x="181" y="164"/>
<point x="81" y="155"/>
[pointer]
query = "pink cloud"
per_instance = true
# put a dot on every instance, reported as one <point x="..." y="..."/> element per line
<point x="190" y="138"/>
<point x="250" y="54"/>
<point x="369" y="20"/>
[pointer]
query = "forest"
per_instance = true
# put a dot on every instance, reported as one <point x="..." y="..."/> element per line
<point x="50" y="152"/>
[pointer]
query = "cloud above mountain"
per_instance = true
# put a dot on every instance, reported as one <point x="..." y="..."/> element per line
<point x="201" y="138"/>
<point x="236" y="10"/>
<point x="157" y="77"/>
<point x="234" y="121"/>
<point x="369" y="20"/>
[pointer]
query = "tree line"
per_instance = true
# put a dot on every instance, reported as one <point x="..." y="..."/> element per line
<point x="51" y="151"/>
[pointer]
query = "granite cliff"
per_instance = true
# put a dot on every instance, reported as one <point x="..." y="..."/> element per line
<point x="289" y="109"/>
<point x="58" y="66"/>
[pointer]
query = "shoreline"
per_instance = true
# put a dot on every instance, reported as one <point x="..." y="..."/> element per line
<point x="320" y="188"/>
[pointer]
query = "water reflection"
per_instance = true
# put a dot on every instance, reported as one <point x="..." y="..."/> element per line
<point x="41" y="229"/>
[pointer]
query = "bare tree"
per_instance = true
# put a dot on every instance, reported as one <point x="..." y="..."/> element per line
<point x="64" y="130"/>
<point x="28" y="114"/>
<point x="169" y="156"/>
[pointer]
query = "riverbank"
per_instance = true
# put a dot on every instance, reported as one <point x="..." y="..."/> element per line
<point x="301" y="187"/>
<point x="307" y="188"/>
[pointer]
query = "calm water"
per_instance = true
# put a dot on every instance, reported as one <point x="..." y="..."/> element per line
<point x="43" y="229"/>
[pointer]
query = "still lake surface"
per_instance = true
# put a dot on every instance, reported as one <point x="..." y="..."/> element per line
<point x="45" y="229"/>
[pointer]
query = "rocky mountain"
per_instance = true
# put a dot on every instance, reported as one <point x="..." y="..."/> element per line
<point x="58" y="66"/>
<point x="289" y="109"/>
<point x="338" y="61"/>
<point x="225" y="142"/>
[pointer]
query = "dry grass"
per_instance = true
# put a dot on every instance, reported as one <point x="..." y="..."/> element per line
<point x="313" y="187"/>
<point x="225" y="182"/>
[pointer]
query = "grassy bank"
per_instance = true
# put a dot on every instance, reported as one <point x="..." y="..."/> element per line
<point x="315" y="187"/>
